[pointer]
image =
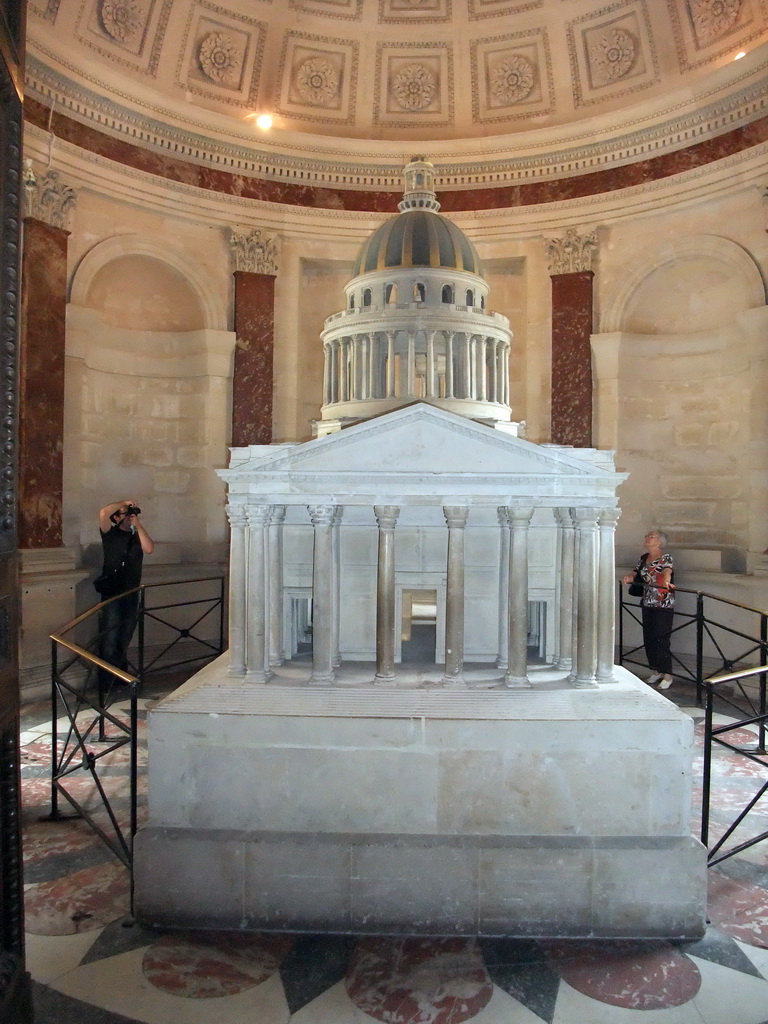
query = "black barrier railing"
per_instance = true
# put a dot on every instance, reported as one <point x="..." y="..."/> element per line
<point x="726" y="736"/>
<point x="726" y="637"/>
<point x="85" y="692"/>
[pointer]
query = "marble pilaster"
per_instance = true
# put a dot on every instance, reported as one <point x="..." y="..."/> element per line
<point x="275" y="585"/>
<point x="502" y="659"/>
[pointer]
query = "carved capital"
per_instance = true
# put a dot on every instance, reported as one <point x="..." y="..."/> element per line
<point x="258" y="515"/>
<point x="322" y="515"/>
<point x="253" y="253"/>
<point x="386" y="516"/>
<point x="236" y="515"/>
<point x="572" y="254"/>
<point x="456" y="516"/>
<point x="47" y="198"/>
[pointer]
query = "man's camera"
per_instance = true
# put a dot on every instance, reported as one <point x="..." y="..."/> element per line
<point x="133" y="510"/>
<point x="129" y="510"/>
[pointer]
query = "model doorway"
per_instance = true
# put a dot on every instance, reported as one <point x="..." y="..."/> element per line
<point x="419" y="626"/>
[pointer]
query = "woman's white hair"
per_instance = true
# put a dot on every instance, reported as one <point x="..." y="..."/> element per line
<point x="661" y="535"/>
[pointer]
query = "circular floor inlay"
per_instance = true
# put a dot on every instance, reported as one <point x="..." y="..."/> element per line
<point x="418" y="981"/>
<point x="208" y="965"/>
<point x="635" y="975"/>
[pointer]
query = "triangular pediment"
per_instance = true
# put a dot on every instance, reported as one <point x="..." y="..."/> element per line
<point x="419" y="440"/>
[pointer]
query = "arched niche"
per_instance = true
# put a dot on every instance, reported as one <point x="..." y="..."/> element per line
<point x="139" y="283"/>
<point x="691" y="284"/>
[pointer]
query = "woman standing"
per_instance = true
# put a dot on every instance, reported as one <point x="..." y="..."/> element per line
<point x="658" y="605"/>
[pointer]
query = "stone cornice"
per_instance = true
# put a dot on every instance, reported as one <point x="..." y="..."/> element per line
<point x="513" y="162"/>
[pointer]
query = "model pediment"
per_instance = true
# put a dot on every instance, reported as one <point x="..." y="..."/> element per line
<point x="422" y="441"/>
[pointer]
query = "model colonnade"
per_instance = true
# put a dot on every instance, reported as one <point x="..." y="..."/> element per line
<point x="585" y="591"/>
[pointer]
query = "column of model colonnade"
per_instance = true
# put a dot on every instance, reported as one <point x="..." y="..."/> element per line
<point x="585" y="592"/>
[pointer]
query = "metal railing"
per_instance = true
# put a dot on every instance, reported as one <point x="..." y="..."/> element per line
<point x="85" y="691"/>
<point x="729" y="651"/>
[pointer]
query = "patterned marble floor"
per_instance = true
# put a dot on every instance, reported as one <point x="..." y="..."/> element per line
<point x="91" y="965"/>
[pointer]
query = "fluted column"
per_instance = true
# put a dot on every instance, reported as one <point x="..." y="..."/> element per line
<point x="586" y="613"/>
<point x="467" y="366"/>
<point x="502" y="659"/>
<point x="482" y="390"/>
<point x="517" y="669"/>
<point x="565" y="531"/>
<point x="256" y="636"/>
<point x="336" y="570"/>
<point x="238" y="587"/>
<point x="606" y="595"/>
<point x="275" y="585"/>
<point x="386" y="517"/>
<point x="322" y="595"/>
<point x="456" y="520"/>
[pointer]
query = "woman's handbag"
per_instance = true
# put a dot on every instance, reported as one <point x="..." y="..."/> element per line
<point x="636" y="586"/>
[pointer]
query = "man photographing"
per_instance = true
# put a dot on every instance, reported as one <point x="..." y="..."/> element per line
<point x="124" y="543"/>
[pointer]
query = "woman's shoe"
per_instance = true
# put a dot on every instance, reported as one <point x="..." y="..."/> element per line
<point x="653" y="678"/>
<point x="666" y="682"/>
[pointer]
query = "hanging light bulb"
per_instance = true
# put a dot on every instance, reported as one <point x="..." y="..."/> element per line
<point x="264" y="121"/>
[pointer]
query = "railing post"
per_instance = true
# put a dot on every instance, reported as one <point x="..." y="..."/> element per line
<point x="706" y="775"/>
<point x="620" y="606"/>
<point x="54" y="730"/>
<point x="699" y="645"/>
<point x="142" y="612"/>
<point x="134" y="783"/>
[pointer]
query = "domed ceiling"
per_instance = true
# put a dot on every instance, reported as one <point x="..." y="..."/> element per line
<point x="467" y="82"/>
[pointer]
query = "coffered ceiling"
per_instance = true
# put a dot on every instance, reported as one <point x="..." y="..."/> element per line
<point x="370" y="79"/>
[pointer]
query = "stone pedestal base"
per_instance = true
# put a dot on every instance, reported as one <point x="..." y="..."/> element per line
<point x="540" y="812"/>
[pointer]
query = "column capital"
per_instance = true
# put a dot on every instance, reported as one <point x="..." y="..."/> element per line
<point x="277" y="515"/>
<point x="386" y="516"/>
<point x="236" y="514"/>
<point x="563" y="517"/>
<point x="47" y="198"/>
<point x="585" y="516"/>
<point x="501" y="515"/>
<point x="258" y="515"/>
<point x="519" y="515"/>
<point x="322" y="515"/>
<point x="608" y="516"/>
<point x="456" y="516"/>
<point x="572" y="254"/>
<point x="252" y="253"/>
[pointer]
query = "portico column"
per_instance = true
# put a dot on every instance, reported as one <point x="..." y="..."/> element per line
<point x="517" y="669"/>
<point x="606" y="595"/>
<point x="237" y="589"/>
<point x="449" y="364"/>
<point x="256" y="640"/>
<point x="411" y="366"/>
<point x="456" y="520"/>
<point x="565" y="590"/>
<point x="336" y="569"/>
<point x="467" y="366"/>
<point x="586" y="614"/>
<point x="502" y="660"/>
<point x="386" y="517"/>
<point x="275" y="585"/>
<point x="322" y="595"/>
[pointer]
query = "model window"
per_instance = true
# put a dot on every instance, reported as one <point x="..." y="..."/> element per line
<point x="351" y="301"/>
<point x="390" y="293"/>
<point x="470" y="297"/>
<point x="482" y="302"/>
<point x="447" y="293"/>
<point x="419" y="292"/>
<point x="367" y="297"/>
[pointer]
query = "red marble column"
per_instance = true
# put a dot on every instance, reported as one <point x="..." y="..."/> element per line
<point x="41" y="386"/>
<point x="252" y="383"/>
<point x="572" y="359"/>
